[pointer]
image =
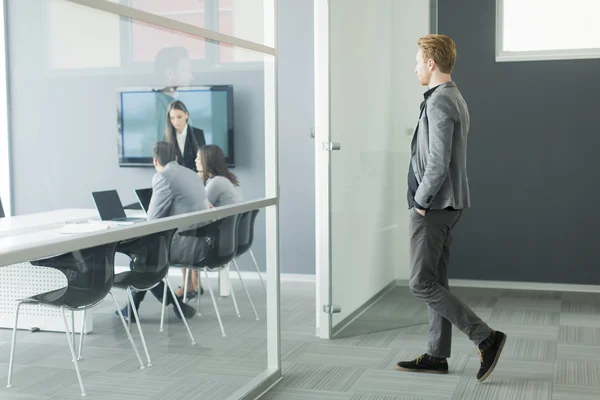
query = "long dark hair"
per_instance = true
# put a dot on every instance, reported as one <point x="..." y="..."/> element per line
<point x="214" y="163"/>
<point x="170" y="134"/>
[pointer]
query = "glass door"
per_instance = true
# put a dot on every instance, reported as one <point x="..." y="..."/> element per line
<point x="361" y="173"/>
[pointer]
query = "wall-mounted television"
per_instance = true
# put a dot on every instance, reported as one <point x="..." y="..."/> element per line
<point x="142" y="119"/>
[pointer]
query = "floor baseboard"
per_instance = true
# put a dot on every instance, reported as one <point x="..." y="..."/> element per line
<point x="541" y="286"/>
<point x="472" y="283"/>
<point x="252" y="275"/>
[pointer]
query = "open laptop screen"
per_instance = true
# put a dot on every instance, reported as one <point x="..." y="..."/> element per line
<point x="109" y="205"/>
<point x="144" y="196"/>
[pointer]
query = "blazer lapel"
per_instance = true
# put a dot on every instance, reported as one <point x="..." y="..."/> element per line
<point x="180" y="160"/>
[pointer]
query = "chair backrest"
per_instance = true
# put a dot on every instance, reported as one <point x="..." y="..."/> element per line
<point x="221" y="237"/>
<point x="89" y="274"/>
<point x="149" y="258"/>
<point x="1" y="210"/>
<point x="245" y="235"/>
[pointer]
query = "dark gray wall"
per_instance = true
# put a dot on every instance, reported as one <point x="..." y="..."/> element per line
<point x="532" y="145"/>
<point x="296" y="147"/>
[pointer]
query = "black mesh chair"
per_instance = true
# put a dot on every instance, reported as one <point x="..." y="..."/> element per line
<point x="220" y="237"/>
<point x="89" y="273"/>
<point x="245" y="236"/>
<point x="149" y="266"/>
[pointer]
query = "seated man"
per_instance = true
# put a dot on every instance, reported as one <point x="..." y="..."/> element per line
<point x="175" y="190"/>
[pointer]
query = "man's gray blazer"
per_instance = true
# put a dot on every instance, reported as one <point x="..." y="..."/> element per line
<point x="439" y="151"/>
<point x="178" y="190"/>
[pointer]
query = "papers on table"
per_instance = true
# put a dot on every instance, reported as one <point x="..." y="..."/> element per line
<point x="84" y="227"/>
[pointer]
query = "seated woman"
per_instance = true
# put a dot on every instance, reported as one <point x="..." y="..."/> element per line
<point x="222" y="188"/>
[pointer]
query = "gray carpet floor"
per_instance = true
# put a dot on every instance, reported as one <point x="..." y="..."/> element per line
<point x="552" y="353"/>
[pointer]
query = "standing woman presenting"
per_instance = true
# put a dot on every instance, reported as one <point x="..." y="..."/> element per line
<point x="186" y="138"/>
<point x="187" y="141"/>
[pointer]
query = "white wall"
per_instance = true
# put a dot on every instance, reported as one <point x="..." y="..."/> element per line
<point x="411" y="21"/>
<point x="5" y="156"/>
<point x="296" y="146"/>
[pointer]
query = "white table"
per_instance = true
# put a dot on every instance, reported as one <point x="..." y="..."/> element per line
<point x="23" y="224"/>
<point x="22" y="236"/>
<point x="23" y="279"/>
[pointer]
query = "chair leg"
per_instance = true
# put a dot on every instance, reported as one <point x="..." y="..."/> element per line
<point x="164" y="305"/>
<point x="235" y="304"/>
<point x="167" y="283"/>
<point x="129" y="314"/>
<point x="245" y="289"/>
<point x="73" y="329"/>
<point x="185" y="284"/>
<point x="139" y="325"/>
<point x="198" y="305"/>
<point x="135" y="350"/>
<point x="69" y="339"/>
<point x="257" y="270"/>
<point x="212" y="297"/>
<point x="198" y="295"/>
<point x="79" y="357"/>
<point x="12" y="347"/>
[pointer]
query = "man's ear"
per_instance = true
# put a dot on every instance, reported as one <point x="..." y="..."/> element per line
<point x="431" y="64"/>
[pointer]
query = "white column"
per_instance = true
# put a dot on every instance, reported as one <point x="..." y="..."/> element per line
<point x="5" y="182"/>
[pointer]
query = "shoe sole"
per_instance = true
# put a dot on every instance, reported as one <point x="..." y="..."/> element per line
<point x="426" y="371"/>
<point x="489" y="372"/>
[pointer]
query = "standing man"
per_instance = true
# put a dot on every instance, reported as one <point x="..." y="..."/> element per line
<point x="438" y="192"/>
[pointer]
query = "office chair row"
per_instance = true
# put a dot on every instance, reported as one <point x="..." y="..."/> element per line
<point x="91" y="277"/>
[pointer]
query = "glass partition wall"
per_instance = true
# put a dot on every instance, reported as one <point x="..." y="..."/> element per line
<point x="92" y="86"/>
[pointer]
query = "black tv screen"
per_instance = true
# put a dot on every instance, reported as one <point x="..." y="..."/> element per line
<point x="142" y="118"/>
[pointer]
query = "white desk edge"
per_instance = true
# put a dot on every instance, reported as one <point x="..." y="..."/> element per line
<point x="53" y="242"/>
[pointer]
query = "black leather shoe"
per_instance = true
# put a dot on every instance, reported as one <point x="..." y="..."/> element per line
<point x="489" y="353"/>
<point x="423" y="363"/>
<point x="192" y="294"/>
<point x="188" y="311"/>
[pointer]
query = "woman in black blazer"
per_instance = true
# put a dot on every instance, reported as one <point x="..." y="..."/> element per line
<point x="186" y="139"/>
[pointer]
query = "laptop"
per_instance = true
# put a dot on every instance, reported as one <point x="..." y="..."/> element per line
<point x="144" y="196"/>
<point x="110" y="208"/>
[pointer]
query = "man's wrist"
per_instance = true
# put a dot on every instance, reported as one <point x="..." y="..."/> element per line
<point x="419" y="207"/>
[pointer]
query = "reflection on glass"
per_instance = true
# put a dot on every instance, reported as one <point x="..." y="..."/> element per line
<point x="244" y="19"/>
<point x="90" y="92"/>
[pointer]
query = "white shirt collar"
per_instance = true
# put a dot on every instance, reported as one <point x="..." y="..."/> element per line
<point x="181" y="138"/>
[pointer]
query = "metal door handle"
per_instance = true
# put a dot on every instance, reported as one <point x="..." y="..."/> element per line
<point x="331" y="146"/>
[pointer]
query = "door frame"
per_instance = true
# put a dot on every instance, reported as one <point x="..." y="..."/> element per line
<point x="322" y="169"/>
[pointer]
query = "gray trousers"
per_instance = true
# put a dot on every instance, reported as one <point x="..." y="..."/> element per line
<point x="430" y="241"/>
